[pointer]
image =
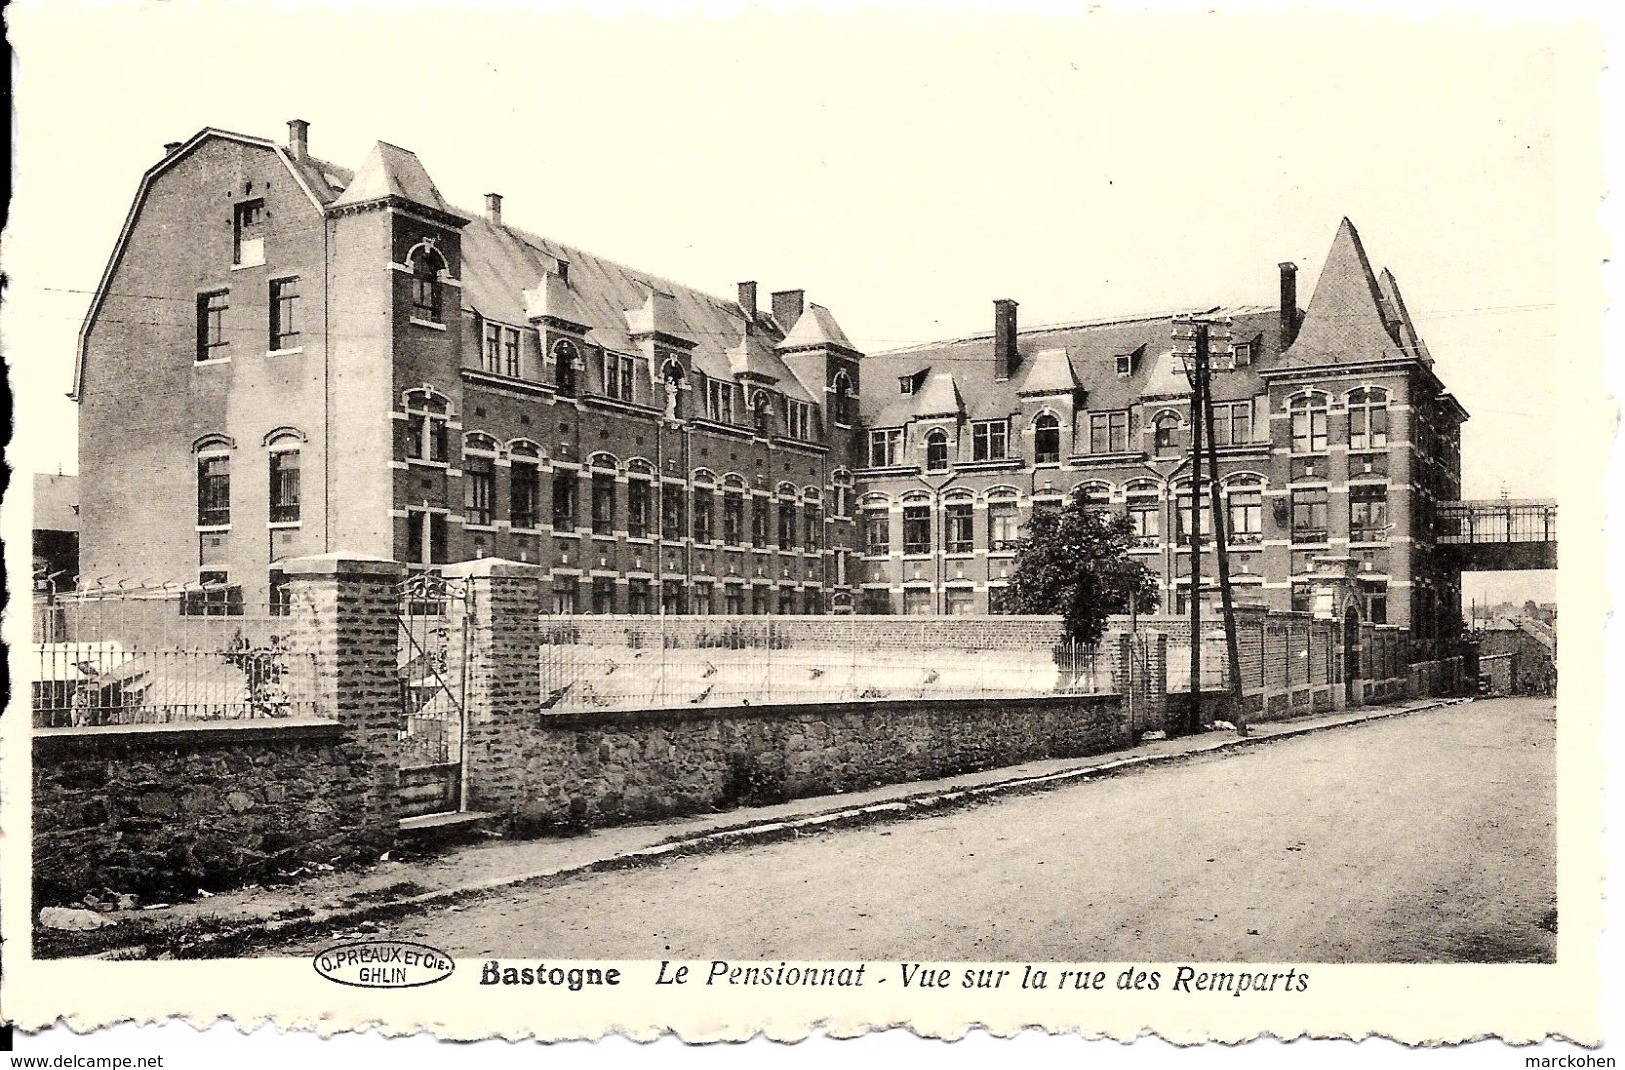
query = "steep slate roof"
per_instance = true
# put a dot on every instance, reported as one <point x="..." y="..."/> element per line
<point x="1090" y="353"/>
<point x="391" y="171"/>
<point x="1400" y="316"/>
<point x="501" y="262"/>
<point x="1344" y="323"/>
<point x="816" y="327"/>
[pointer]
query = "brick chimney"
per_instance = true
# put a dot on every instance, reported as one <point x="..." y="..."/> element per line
<point x="298" y="138"/>
<point x="1005" y="358"/>
<point x="747" y="298"/>
<point x="171" y="146"/>
<point x="1289" y="304"/>
<point x="493" y="208"/>
<point x="787" y="306"/>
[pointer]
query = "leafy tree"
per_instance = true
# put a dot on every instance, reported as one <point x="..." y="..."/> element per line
<point x="1075" y="563"/>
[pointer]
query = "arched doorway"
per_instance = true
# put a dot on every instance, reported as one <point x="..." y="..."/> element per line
<point x="1351" y="654"/>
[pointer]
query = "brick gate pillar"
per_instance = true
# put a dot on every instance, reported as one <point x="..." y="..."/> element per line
<point x="499" y="619"/>
<point x="342" y="610"/>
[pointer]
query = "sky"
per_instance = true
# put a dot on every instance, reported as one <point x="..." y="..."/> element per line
<point x="903" y="167"/>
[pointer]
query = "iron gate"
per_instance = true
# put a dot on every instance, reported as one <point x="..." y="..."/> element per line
<point x="433" y="683"/>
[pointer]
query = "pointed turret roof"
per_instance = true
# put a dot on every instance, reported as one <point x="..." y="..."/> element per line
<point x="391" y="171"/>
<point x="816" y="327"/>
<point x="1344" y="323"/>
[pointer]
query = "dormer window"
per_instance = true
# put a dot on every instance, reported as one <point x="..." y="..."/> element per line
<point x="248" y="233"/>
<point x="905" y="384"/>
<point x="1125" y="364"/>
<point x="1243" y="354"/>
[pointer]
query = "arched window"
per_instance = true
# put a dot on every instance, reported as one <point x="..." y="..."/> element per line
<point x="1309" y="423"/>
<point x="1244" y="510"/>
<point x="564" y="367"/>
<point x="1144" y="512"/>
<point x="843" y="413"/>
<point x="1368" y="419"/>
<point x="524" y="484"/>
<point x="423" y="433"/>
<point x="936" y="450"/>
<point x="1096" y="497"/>
<point x="479" y="479"/>
<point x="671" y="374"/>
<point x="1047" y="439"/>
<point x="427" y="291"/>
<point x="1167" y="435"/>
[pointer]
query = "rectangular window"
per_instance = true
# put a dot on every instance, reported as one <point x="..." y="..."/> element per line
<point x="719" y="400"/>
<point x="1309" y="515"/>
<point x="733" y="600"/>
<point x="564" y="598"/>
<point x="1108" y="432"/>
<point x="917" y="602"/>
<point x="211" y="325"/>
<point x="885" y="447"/>
<point x="491" y="355"/>
<point x="1003" y="526"/>
<point x="703" y="502"/>
<point x="733" y="519"/>
<point x="618" y="370"/>
<point x="761" y="601"/>
<point x="1182" y="515"/>
<point x="758" y="522"/>
<point x="797" y="419"/>
<point x="961" y="528"/>
<point x="425" y="537"/>
<point x="281" y="597"/>
<point x="285" y="487"/>
<point x="510" y="351"/>
<point x="877" y="532"/>
<point x="603" y="595"/>
<point x="603" y="504"/>
<point x="1243" y="354"/>
<point x="672" y="524"/>
<point x="917" y="529"/>
<point x="787" y="525"/>
<point x="214" y="491"/>
<point x="961" y="601"/>
<point x="214" y="597"/>
<point x="1233" y="423"/>
<point x="787" y="603"/>
<point x="1145" y="519"/>
<point x="671" y="598"/>
<point x="989" y="439"/>
<point x="248" y="233"/>
<point x="1308" y="430"/>
<point x="637" y="509"/>
<point x="637" y="597"/>
<point x="564" y="500"/>
<point x="1368" y="427"/>
<point x="815" y="527"/>
<point x="1303" y="599"/>
<point x="524" y="495"/>
<point x="1245" y="517"/>
<point x="479" y="481"/>
<point x="700" y="600"/>
<point x="284" y="313"/>
<point x="1368" y="512"/>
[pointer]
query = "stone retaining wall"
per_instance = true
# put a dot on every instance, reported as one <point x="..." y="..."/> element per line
<point x="165" y="810"/>
<point x="585" y="770"/>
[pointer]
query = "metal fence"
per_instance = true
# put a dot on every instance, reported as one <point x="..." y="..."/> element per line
<point x="586" y="676"/>
<point x="141" y="660"/>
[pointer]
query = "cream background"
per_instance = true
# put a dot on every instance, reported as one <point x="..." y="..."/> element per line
<point x="851" y="154"/>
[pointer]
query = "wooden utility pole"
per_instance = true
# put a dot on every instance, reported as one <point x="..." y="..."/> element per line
<point x="1199" y="355"/>
<point x="1221" y="544"/>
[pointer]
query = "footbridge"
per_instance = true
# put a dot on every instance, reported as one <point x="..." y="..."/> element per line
<point x="1498" y="536"/>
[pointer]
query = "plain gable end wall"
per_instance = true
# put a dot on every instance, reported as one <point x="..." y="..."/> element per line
<point x="143" y="400"/>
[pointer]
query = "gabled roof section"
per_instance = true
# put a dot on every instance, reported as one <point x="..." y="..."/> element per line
<point x="1165" y="377"/>
<point x="319" y="196"/>
<point x="1400" y="317"/>
<point x="1344" y="323"/>
<point x="753" y="356"/>
<point x="816" y="329"/>
<point x="552" y="298"/>
<point x="1049" y="372"/>
<point x="391" y="171"/>
<point x="939" y="396"/>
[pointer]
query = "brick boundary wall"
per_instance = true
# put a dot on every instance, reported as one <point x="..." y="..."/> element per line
<point x="585" y="770"/>
<point x="166" y="810"/>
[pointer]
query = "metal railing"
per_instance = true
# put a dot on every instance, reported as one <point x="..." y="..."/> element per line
<point x="103" y="660"/>
<point x="1497" y="521"/>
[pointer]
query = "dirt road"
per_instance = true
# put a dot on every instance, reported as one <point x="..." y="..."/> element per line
<point x="1427" y="838"/>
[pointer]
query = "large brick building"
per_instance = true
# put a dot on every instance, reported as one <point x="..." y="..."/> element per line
<point x="1335" y="439"/>
<point x="285" y="358"/>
